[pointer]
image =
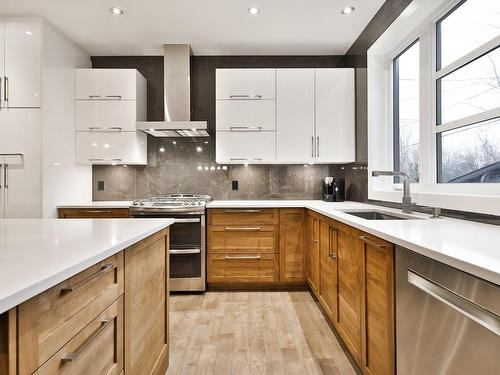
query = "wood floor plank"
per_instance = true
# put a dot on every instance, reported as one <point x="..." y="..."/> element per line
<point x="255" y="333"/>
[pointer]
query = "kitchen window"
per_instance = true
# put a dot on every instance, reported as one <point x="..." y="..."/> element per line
<point x="406" y="112"/>
<point x="434" y="105"/>
<point x="468" y="94"/>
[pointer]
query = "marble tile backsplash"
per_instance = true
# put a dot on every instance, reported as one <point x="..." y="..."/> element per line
<point x="181" y="165"/>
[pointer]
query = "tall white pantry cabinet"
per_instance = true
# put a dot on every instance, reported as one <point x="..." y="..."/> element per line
<point x="37" y="120"/>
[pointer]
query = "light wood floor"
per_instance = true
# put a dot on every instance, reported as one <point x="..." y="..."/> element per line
<point x="252" y="333"/>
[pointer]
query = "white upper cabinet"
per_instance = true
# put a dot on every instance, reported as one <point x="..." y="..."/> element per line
<point x="109" y="84"/>
<point x="111" y="148"/>
<point x="241" y="84"/>
<point x="335" y="116"/>
<point x="295" y="115"/>
<point x="239" y="147"/>
<point x="120" y="115"/>
<point x="245" y="114"/>
<point x="109" y="102"/>
<point x="20" y="69"/>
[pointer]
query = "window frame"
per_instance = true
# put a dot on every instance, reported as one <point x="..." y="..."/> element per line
<point x="418" y="22"/>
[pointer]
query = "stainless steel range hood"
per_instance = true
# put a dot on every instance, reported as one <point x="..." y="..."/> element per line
<point x="177" y="94"/>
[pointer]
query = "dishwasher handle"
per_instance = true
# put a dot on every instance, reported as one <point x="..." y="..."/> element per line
<point x="462" y="305"/>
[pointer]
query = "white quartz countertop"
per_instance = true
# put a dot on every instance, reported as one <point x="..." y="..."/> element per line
<point x="96" y="204"/>
<point x="469" y="246"/>
<point x="36" y="254"/>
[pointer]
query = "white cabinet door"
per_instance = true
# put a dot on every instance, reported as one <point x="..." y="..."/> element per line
<point x="335" y="122"/>
<point x="23" y="192"/>
<point x="111" y="148"/>
<point x="245" y="114"/>
<point x="23" y="64"/>
<point x="245" y="84"/>
<point x="295" y="115"/>
<point x="239" y="147"/>
<point x="120" y="115"/>
<point x="106" y="84"/>
<point x="21" y="131"/>
<point x="2" y="63"/>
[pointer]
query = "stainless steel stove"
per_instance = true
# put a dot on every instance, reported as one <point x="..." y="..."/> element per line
<point x="187" y="236"/>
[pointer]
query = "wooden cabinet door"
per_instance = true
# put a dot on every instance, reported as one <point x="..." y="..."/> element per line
<point x="377" y="305"/>
<point x="146" y="305"/>
<point x="292" y="245"/>
<point x="328" y="268"/>
<point x="348" y="321"/>
<point x="313" y="262"/>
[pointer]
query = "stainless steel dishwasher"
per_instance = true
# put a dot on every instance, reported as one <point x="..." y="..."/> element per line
<point x="447" y="321"/>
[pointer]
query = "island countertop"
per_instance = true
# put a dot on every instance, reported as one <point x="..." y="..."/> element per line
<point x="36" y="254"/>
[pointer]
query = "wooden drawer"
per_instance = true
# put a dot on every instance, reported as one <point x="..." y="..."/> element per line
<point x="48" y="321"/>
<point x="93" y="213"/>
<point x="97" y="349"/>
<point x="242" y="239"/>
<point x="242" y="216"/>
<point x="251" y="268"/>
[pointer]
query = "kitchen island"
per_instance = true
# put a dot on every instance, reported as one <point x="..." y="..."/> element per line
<point x="75" y="297"/>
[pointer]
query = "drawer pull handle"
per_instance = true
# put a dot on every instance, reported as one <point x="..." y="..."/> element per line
<point x="100" y="128"/>
<point x="98" y="212"/>
<point x="243" y="257"/>
<point x="246" y="128"/>
<point x="185" y="251"/>
<point x="70" y="357"/>
<point x="241" y="211"/>
<point x="245" y="96"/>
<point x="366" y="240"/>
<point x="242" y="229"/>
<point x="104" y="269"/>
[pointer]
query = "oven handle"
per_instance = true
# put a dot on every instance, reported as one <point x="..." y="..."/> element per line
<point x="185" y="251"/>
<point x="187" y="220"/>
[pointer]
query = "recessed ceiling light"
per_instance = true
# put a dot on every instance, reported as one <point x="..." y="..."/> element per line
<point x="27" y="32"/>
<point x="347" y="10"/>
<point x="116" y="11"/>
<point x="253" y="11"/>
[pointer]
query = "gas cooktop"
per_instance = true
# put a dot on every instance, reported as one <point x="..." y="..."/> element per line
<point x="171" y="203"/>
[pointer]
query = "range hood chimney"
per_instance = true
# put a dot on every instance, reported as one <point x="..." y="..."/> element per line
<point x="177" y="98"/>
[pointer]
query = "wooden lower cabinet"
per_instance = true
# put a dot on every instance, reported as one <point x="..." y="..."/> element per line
<point x="313" y="255"/>
<point x="377" y="306"/>
<point x="146" y="306"/>
<point x="93" y="213"/>
<point x="242" y="268"/>
<point x="292" y="242"/>
<point x="328" y="266"/>
<point x="348" y="320"/>
<point x="109" y="319"/>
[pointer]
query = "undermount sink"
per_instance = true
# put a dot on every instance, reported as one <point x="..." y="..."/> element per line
<point x="378" y="215"/>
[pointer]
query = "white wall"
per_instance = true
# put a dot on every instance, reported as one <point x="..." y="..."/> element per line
<point x="63" y="180"/>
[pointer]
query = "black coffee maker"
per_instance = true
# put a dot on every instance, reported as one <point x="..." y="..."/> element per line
<point x="333" y="189"/>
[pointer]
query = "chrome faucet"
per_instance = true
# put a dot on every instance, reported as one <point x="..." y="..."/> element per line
<point x="406" y="201"/>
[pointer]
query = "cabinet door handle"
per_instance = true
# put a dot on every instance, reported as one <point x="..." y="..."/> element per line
<point x="70" y="357"/>
<point x="111" y="128"/>
<point x="6" y="176"/>
<point x="246" y="128"/>
<point x="6" y="90"/>
<point x="312" y="147"/>
<point x="100" y="159"/>
<point x="242" y="257"/>
<point x="366" y="240"/>
<point x="0" y="93"/>
<point x="95" y="96"/>
<point x="239" y="211"/>
<point x="245" y="96"/>
<point x="317" y="147"/>
<point x="114" y="96"/>
<point x="104" y="270"/>
<point x="242" y="229"/>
